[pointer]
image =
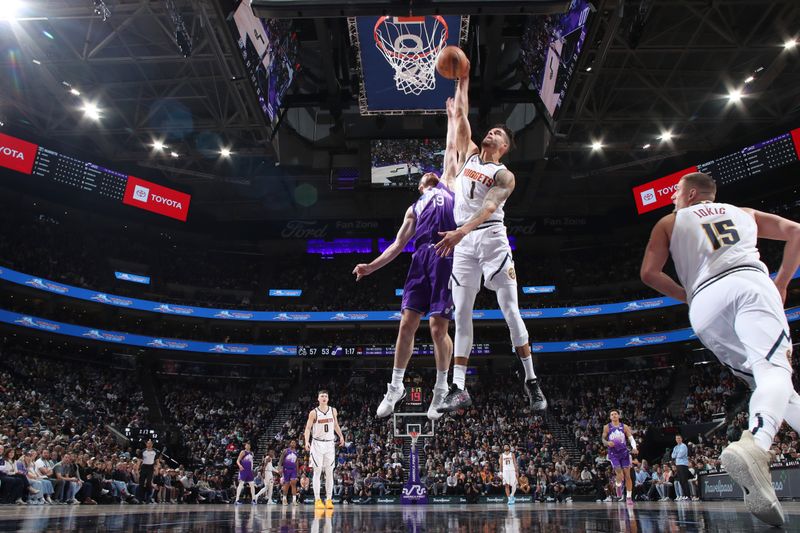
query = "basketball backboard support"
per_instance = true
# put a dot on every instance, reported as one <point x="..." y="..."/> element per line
<point x="352" y="8"/>
<point x="404" y="424"/>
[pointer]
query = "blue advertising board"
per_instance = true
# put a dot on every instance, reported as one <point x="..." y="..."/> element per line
<point x="541" y="289"/>
<point x="133" y="278"/>
<point x="316" y="316"/>
<point x="162" y="343"/>
<point x="286" y="292"/>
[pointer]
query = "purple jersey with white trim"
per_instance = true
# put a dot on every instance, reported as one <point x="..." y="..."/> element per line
<point x="434" y="212"/>
<point x="616" y="434"/>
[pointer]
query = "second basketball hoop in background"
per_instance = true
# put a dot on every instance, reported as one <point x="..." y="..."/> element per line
<point x="411" y="45"/>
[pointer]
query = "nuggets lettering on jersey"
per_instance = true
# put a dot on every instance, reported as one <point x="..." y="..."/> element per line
<point x="323" y="426"/>
<point x="472" y="183"/>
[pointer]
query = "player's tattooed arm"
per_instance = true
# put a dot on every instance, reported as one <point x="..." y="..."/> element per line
<point x="404" y="235"/>
<point x="655" y="257"/>
<point x="503" y="187"/>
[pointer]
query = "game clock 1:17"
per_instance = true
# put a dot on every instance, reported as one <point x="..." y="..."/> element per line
<point x="329" y="351"/>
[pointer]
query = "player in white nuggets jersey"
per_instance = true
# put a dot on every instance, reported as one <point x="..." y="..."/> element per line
<point x="510" y="472"/>
<point x="321" y="429"/>
<point x="736" y="312"/>
<point x="480" y="247"/>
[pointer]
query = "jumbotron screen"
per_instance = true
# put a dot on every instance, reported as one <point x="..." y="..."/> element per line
<point x="401" y="162"/>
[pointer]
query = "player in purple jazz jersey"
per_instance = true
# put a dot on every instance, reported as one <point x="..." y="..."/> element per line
<point x="427" y="286"/>
<point x="616" y="436"/>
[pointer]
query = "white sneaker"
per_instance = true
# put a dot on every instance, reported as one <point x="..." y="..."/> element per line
<point x="748" y="465"/>
<point x="436" y="402"/>
<point x="390" y="399"/>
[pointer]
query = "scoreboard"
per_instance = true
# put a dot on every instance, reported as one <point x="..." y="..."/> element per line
<point x="83" y="175"/>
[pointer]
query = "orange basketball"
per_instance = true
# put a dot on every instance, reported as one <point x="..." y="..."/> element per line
<point x="452" y="63"/>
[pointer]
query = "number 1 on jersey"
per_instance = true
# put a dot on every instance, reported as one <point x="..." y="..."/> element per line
<point x="721" y="234"/>
<point x="472" y="191"/>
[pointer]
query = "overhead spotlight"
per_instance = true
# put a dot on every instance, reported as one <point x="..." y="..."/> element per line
<point x="645" y="146"/>
<point x="735" y="95"/>
<point x="597" y="145"/>
<point x="665" y="136"/>
<point x="37" y="62"/>
<point x="589" y="68"/>
<point x="158" y="146"/>
<point x="74" y="91"/>
<point x="791" y="43"/>
<point x="9" y="9"/>
<point x="48" y="34"/>
<point x="225" y="152"/>
<point x="749" y="79"/>
<point x="91" y="111"/>
<point x="174" y="154"/>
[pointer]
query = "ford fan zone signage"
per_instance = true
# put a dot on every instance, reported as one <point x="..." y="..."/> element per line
<point x="17" y="154"/>
<point x="658" y="193"/>
<point x="156" y="198"/>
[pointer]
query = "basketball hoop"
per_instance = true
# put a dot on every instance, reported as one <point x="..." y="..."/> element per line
<point x="414" y="436"/>
<point x="411" y="46"/>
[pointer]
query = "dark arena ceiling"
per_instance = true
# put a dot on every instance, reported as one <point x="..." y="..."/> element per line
<point x="647" y="68"/>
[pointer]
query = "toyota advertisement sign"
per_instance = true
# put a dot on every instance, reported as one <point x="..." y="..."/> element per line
<point x="658" y="193"/>
<point x="156" y="198"/>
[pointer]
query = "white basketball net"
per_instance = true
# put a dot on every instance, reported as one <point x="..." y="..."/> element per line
<point x="411" y="45"/>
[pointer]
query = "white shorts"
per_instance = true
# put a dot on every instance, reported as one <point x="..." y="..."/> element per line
<point x="323" y="454"/>
<point x="484" y="251"/>
<point x="740" y="318"/>
<point x="510" y="478"/>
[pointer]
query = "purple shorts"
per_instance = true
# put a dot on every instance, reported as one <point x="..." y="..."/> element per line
<point x="620" y="460"/>
<point x="289" y="475"/>
<point x="427" y="287"/>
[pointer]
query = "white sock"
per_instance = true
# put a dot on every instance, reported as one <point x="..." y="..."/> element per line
<point x="397" y="377"/>
<point x="441" y="380"/>
<point x="629" y="494"/>
<point x="527" y="364"/>
<point x="459" y="376"/>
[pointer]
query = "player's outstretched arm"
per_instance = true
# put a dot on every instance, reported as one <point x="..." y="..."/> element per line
<point x="404" y="235"/>
<point x="464" y="143"/>
<point x="451" y="155"/>
<point x="655" y="257"/>
<point x="781" y="229"/>
<point x="498" y="193"/>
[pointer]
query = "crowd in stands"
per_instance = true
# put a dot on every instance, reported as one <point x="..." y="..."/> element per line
<point x="57" y="421"/>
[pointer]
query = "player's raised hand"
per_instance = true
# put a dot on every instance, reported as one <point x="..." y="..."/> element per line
<point x="449" y="241"/>
<point x="362" y="270"/>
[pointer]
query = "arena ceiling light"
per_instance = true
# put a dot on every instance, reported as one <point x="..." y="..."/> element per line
<point x="665" y="136"/>
<point x="225" y="152"/>
<point x="174" y="154"/>
<point x="791" y="43"/>
<point x="749" y="79"/>
<point x="9" y="9"/>
<point x="91" y="110"/>
<point x="158" y="145"/>
<point x="735" y="95"/>
<point x="645" y="146"/>
<point x="597" y="145"/>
